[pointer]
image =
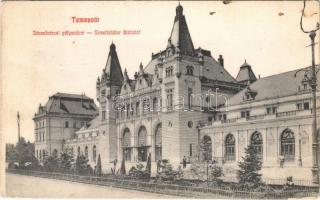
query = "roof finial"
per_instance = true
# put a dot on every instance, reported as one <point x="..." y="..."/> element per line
<point x="125" y="74"/>
<point x="179" y="9"/>
<point x="112" y="46"/>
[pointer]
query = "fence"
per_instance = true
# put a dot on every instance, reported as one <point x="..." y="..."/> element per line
<point x="163" y="188"/>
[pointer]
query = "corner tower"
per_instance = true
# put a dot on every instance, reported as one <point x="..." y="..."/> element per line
<point x="108" y="86"/>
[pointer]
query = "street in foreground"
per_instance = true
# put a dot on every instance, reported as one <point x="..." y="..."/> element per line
<point x="35" y="187"/>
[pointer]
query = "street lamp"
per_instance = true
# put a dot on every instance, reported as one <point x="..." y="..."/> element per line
<point x="311" y="78"/>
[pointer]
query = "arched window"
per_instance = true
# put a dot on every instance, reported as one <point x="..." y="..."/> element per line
<point x="256" y="142"/>
<point x="288" y="145"/>
<point x="78" y="151"/>
<point x="158" y="142"/>
<point x="230" y="144"/>
<point x="126" y="147"/>
<point x="94" y="153"/>
<point x="86" y="152"/>
<point x="142" y="147"/>
<point x="206" y="149"/>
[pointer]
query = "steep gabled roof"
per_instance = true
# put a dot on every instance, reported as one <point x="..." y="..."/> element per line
<point x="246" y="75"/>
<point x="180" y="36"/>
<point x="113" y="68"/>
<point x="271" y="87"/>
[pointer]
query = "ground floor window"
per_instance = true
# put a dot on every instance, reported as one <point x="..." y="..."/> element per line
<point x="230" y="148"/>
<point x="142" y="154"/>
<point x="127" y="154"/>
<point x="288" y="145"/>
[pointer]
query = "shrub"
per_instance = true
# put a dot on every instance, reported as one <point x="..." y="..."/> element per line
<point x="139" y="172"/>
<point x="167" y="173"/>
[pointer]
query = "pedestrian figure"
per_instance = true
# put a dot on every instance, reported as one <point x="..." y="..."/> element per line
<point x="184" y="162"/>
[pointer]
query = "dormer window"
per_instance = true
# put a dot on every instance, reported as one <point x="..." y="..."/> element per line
<point x="190" y="70"/>
<point x="249" y="94"/>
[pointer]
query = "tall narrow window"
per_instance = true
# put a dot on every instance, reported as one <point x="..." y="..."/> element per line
<point x="189" y="98"/>
<point x="86" y="153"/>
<point x="155" y="103"/>
<point x="66" y="125"/>
<point x="206" y="144"/>
<point x="142" y="146"/>
<point x="169" y="99"/>
<point x="256" y="142"/>
<point x="137" y="108"/>
<point x="158" y="143"/>
<point x="126" y="147"/>
<point x="288" y="145"/>
<point x="230" y="144"/>
<point x="94" y="153"/>
<point x="78" y="151"/>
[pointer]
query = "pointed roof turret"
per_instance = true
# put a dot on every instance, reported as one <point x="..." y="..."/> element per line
<point x="246" y="75"/>
<point x="180" y="36"/>
<point x="126" y="77"/>
<point x="113" y="68"/>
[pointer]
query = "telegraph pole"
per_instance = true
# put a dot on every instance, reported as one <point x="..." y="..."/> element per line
<point x="19" y="146"/>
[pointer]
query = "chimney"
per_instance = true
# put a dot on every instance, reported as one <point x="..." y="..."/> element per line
<point x="220" y="59"/>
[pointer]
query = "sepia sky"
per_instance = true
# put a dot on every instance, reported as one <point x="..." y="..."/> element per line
<point x="36" y="67"/>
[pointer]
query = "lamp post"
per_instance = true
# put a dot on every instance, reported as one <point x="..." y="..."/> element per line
<point x="311" y="78"/>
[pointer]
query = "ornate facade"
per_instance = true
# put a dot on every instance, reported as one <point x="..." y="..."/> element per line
<point x="184" y="96"/>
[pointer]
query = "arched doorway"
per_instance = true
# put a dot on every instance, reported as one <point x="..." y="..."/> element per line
<point x="158" y="142"/>
<point x="126" y="145"/>
<point x="142" y="145"/>
<point x="206" y="148"/>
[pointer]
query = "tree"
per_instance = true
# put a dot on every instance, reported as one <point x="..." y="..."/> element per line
<point x="22" y="152"/>
<point x="248" y="175"/>
<point x="66" y="160"/>
<point x="98" y="167"/>
<point x="51" y="162"/>
<point x="123" y="168"/>
<point x="215" y="173"/>
<point x="81" y="166"/>
<point x="148" y="166"/>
